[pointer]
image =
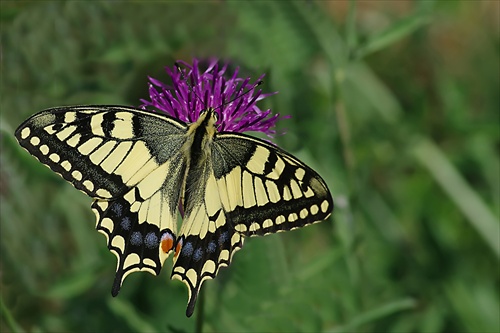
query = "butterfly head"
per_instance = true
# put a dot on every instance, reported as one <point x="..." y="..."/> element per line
<point x="212" y="117"/>
<point x="206" y="122"/>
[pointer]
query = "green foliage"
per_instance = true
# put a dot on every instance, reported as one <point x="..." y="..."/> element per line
<point x="397" y="107"/>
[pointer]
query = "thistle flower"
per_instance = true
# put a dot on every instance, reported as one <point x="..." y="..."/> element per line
<point x="233" y="98"/>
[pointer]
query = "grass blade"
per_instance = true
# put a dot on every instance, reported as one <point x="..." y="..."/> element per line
<point x="464" y="197"/>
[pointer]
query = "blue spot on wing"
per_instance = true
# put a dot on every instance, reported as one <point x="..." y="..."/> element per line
<point x="117" y="208"/>
<point x="187" y="250"/>
<point x="126" y="223"/>
<point x="151" y="240"/>
<point x="211" y="247"/>
<point x="222" y="238"/>
<point x="198" y="254"/>
<point x="136" y="238"/>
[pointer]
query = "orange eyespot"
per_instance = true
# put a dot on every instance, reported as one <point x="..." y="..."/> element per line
<point x="167" y="242"/>
<point x="167" y="245"/>
<point x="178" y="248"/>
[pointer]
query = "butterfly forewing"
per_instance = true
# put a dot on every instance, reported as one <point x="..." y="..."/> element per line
<point x="278" y="191"/>
<point x="102" y="150"/>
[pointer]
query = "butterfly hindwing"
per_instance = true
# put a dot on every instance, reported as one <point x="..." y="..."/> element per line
<point x="140" y="226"/>
<point x="135" y="242"/>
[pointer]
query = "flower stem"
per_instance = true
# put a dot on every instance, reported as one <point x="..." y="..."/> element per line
<point x="200" y="308"/>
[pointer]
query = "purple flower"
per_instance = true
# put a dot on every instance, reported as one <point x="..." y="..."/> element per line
<point x="233" y="98"/>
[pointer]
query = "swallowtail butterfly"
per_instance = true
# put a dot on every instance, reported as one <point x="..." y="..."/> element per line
<point x="139" y="166"/>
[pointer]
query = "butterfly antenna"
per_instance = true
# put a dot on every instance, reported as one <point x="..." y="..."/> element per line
<point x="256" y="84"/>
<point x="179" y="69"/>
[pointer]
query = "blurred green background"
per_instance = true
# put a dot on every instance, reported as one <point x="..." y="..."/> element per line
<point x="394" y="103"/>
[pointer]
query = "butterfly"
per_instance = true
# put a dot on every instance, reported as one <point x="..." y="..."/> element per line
<point x="140" y="167"/>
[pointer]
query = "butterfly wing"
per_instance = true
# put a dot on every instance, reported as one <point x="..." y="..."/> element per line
<point x="140" y="226"/>
<point x="129" y="161"/>
<point x="268" y="190"/>
<point x="247" y="188"/>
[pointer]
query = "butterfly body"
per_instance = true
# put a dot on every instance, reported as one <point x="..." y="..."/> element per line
<point x="139" y="166"/>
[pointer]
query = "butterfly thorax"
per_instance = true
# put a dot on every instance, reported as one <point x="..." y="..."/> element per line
<point x="197" y="150"/>
<point x="200" y="135"/>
